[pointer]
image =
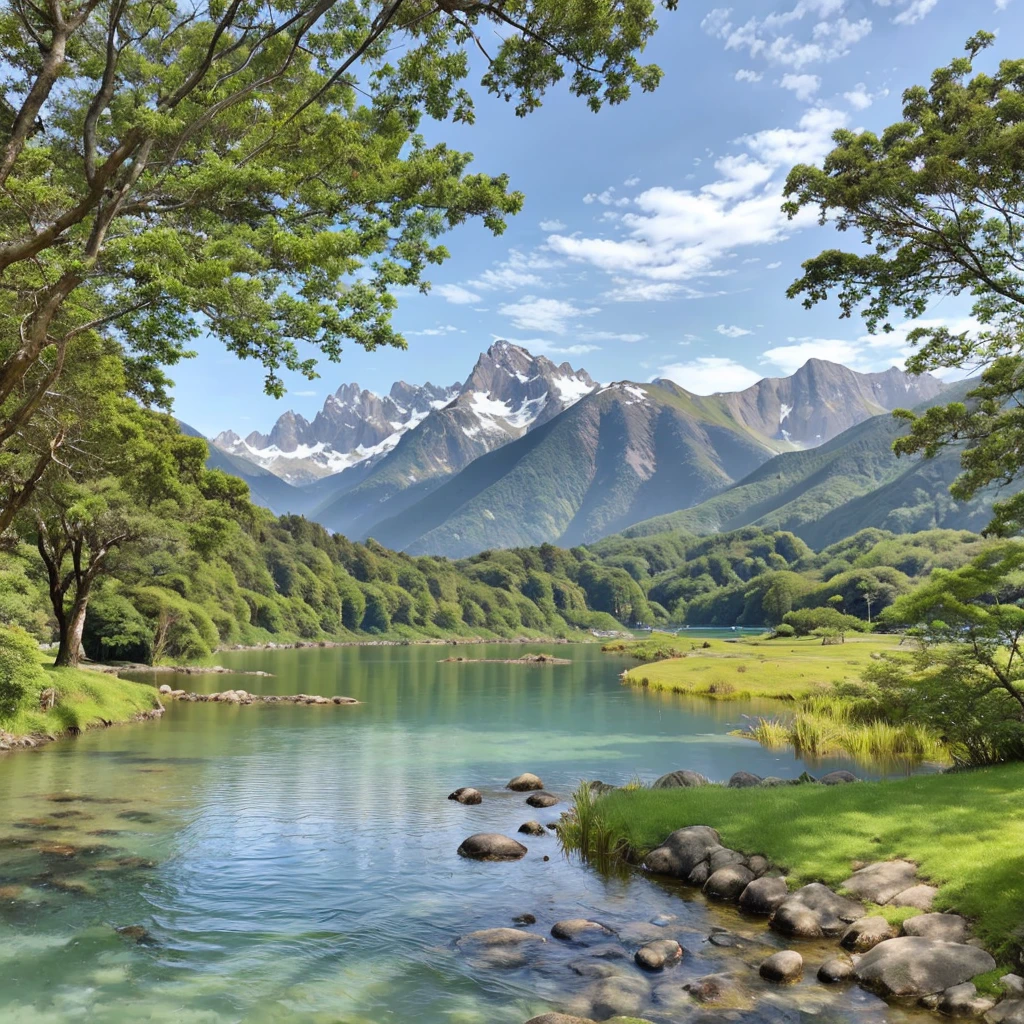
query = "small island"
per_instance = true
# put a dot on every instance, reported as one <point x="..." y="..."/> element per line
<point x="526" y="659"/>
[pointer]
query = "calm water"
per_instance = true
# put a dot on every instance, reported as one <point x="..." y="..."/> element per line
<point x="298" y="864"/>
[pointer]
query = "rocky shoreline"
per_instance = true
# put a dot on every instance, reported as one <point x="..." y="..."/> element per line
<point x="10" y="743"/>
<point x="245" y="698"/>
<point x="526" y="659"/>
<point x="928" y="961"/>
<point x="299" y="645"/>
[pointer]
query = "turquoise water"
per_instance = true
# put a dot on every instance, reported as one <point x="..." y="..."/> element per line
<point x="298" y="863"/>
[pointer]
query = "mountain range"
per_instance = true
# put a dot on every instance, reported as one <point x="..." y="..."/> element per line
<point x="526" y="451"/>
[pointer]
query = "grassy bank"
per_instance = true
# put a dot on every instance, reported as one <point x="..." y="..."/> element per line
<point x="741" y="669"/>
<point x="82" y="699"/>
<point x="964" y="830"/>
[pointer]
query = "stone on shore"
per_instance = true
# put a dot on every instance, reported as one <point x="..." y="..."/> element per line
<point x="657" y="955"/>
<point x="835" y="970"/>
<point x="524" y="783"/>
<point x="944" y="927"/>
<point x="700" y="874"/>
<point x="866" y="933"/>
<point x="815" y="910"/>
<point x="838" y="778"/>
<point x="599" y="788"/>
<point x="763" y="895"/>
<point x="532" y="828"/>
<point x="164" y="688"/>
<point x="682" y="851"/>
<point x="964" y="1001"/>
<point x="880" y="882"/>
<point x="722" y="857"/>
<point x="466" y="795"/>
<point x="1014" y="985"/>
<point x="542" y="800"/>
<point x="920" y="896"/>
<point x="743" y="780"/>
<point x="579" y="929"/>
<point x="729" y="882"/>
<point x="759" y="865"/>
<point x="1009" y="1011"/>
<point x="683" y="779"/>
<point x="784" y="967"/>
<point x="491" y="846"/>
<point x="915" y="966"/>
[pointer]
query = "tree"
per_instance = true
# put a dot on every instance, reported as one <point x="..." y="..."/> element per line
<point x="938" y="200"/>
<point x="254" y="171"/>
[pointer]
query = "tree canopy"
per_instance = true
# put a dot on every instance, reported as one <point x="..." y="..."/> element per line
<point x="938" y="202"/>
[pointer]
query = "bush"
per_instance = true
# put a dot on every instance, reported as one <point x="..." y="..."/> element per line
<point x="807" y="620"/>
<point x="19" y="668"/>
<point x="782" y="631"/>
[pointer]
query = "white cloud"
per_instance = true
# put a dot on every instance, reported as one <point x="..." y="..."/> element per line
<point x="773" y="266"/>
<point x="309" y="394"/>
<point x="606" y="198"/>
<point x="518" y="271"/>
<point x="771" y="38"/>
<point x="552" y="225"/>
<point x="858" y="97"/>
<point x="612" y="336"/>
<point x="709" y="374"/>
<point x="433" y="332"/>
<point x="803" y="86"/>
<point x="631" y="181"/>
<point x="732" y="331"/>
<point x="914" y="12"/>
<point x="789" y="358"/>
<point x="1001" y="5"/>
<point x="746" y="75"/>
<point x="456" y="294"/>
<point x="536" y="314"/>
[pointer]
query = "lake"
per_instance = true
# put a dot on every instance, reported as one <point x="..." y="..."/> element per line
<point x="290" y="864"/>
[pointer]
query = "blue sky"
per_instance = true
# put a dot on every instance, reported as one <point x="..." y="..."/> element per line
<point x="651" y="242"/>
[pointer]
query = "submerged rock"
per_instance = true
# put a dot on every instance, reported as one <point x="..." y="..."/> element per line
<point x="916" y="966"/>
<point x="621" y="994"/>
<point x="559" y="1018"/>
<point x="784" y="967"/>
<point x="490" y="937"/>
<point x="835" y="970"/>
<point x="682" y="851"/>
<point x="657" y="955"/>
<point x="542" y="800"/>
<point x="579" y="929"/>
<point x="524" y="783"/>
<point x="466" y="795"/>
<point x="718" y="990"/>
<point x="532" y="828"/>
<point x="491" y="846"/>
<point x="683" y="779"/>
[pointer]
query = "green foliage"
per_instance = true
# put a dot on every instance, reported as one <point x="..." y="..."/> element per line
<point x="20" y="670"/>
<point x="807" y="620"/>
<point x="936" y="199"/>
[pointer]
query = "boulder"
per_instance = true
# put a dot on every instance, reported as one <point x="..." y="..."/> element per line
<point x="466" y="795"/>
<point x="1013" y="984"/>
<point x="683" y="779"/>
<point x="945" y="927"/>
<point x="771" y="781"/>
<point x="839" y="778"/>
<point x="599" y="788"/>
<point x="784" y="967"/>
<point x="964" y="1001"/>
<point x="164" y="688"/>
<point x="700" y="874"/>
<point x="866" y="933"/>
<point x="589" y="967"/>
<point x="621" y="994"/>
<point x="722" y="857"/>
<point x="915" y="966"/>
<point x="657" y="955"/>
<point x="542" y="800"/>
<point x="1009" y="1011"/>
<point x="493" y="937"/>
<point x="524" y="919"/>
<point x="763" y="895"/>
<point x="718" y="990"/>
<point x="880" y="882"/>
<point x="729" y="882"/>
<point x="743" y="780"/>
<point x="524" y="783"/>
<point x="491" y="846"/>
<point x="579" y="929"/>
<point x="682" y="851"/>
<point x="759" y="865"/>
<point x="532" y="828"/>
<point x="815" y="910"/>
<point x="639" y="933"/>
<point x="920" y="896"/>
<point x="833" y="971"/>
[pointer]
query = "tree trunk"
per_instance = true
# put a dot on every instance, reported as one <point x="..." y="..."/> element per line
<point x="68" y="653"/>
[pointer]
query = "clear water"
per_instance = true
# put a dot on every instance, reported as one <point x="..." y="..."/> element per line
<point x="298" y="863"/>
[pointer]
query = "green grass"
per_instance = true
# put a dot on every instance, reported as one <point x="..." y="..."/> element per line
<point x="741" y="669"/>
<point x="84" y="699"/>
<point x="965" y="831"/>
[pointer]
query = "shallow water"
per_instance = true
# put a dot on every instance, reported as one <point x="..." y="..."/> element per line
<point x="298" y="863"/>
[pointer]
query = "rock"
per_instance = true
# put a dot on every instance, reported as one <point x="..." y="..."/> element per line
<point x="588" y="967"/>
<point x="579" y="929"/>
<point x="964" y="1001"/>
<point x="838" y="778"/>
<point x="135" y="933"/>
<point x="915" y="966"/>
<point x="723" y="857"/>
<point x="491" y="846"/>
<point x="524" y="783"/>
<point x="1009" y="1011"/>
<point x="729" y="882"/>
<point x="524" y="919"/>
<point x="542" y="800"/>
<point x="492" y="937"/>
<point x="1013" y="983"/>
<point x="920" y="896"/>
<point x="814" y="910"/>
<point x="763" y="895"/>
<point x="621" y="994"/>
<point x="599" y="788"/>
<point x="866" y="933"/>
<point x="881" y="881"/>
<point x="663" y="919"/>
<point x="805" y="777"/>
<point x="771" y="781"/>
<point x="639" y="933"/>
<point x="682" y="851"/>
<point x="164" y="688"/>
<point x="559" y="1018"/>
<point x="717" y="990"/>
<point x="944" y="927"/>
<point x="657" y="955"/>
<point x="784" y="967"/>
<point x="700" y="874"/>
<point x="743" y="780"/>
<point x="532" y="828"/>
<point x="466" y="795"/>
<point x="759" y="865"/>
<point x="835" y="970"/>
<point x="684" y="779"/>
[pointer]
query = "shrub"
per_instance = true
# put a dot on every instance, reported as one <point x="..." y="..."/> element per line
<point x="782" y="631"/>
<point x="807" y="620"/>
<point x="19" y="668"/>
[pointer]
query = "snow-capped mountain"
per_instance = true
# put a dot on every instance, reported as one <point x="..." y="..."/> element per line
<point x="508" y="392"/>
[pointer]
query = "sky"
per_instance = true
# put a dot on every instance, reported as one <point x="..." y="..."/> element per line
<point x="651" y="243"/>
